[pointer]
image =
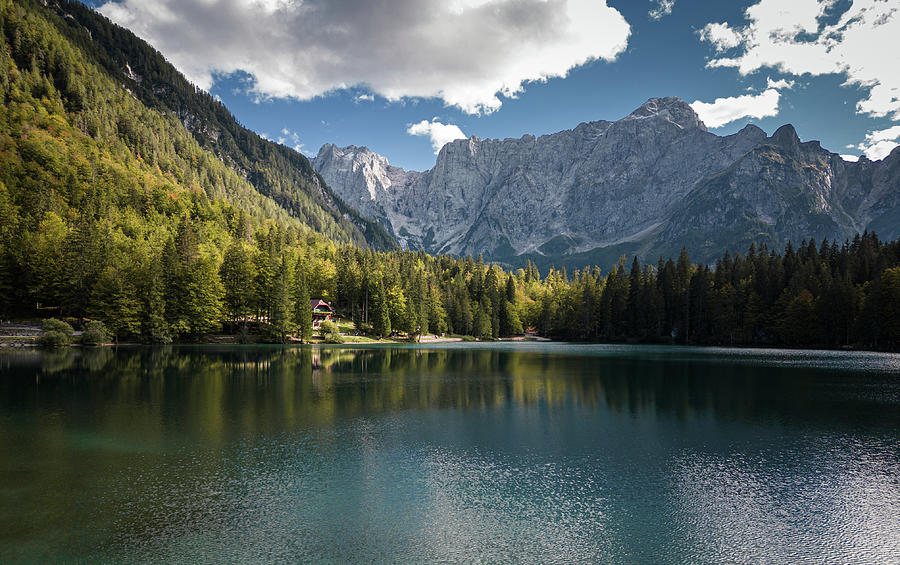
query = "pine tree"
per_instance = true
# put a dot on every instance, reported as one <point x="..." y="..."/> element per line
<point x="683" y="288"/>
<point x="381" y="317"/>
<point x="114" y="301"/>
<point x="302" y="310"/>
<point x="635" y="326"/>
<point x="237" y="279"/>
<point x="510" y="324"/>
<point x="280" y="320"/>
<point x="204" y="292"/>
<point x="889" y="301"/>
<point x="482" y="327"/>
<point x="83" y="262"/>
<point x="154" y="328"/>
<point x="510" y="289"/>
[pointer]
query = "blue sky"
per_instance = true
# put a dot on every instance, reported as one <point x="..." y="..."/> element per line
<point x="365" y="72"/>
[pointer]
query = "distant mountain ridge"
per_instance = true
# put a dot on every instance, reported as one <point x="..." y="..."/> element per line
<point x="647" y="184"/>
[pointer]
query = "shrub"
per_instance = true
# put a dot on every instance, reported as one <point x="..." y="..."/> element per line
<point x="56" y="333"/>
<point x="54" y="325"/>
<point x="54" y="338"/>
<point x="330" y="332"/>
<point x="95" y="333"/>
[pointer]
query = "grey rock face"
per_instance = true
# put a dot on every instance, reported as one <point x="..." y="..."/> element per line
<point x="654" y="180"/>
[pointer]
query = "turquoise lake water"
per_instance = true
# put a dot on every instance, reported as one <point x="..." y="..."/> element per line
<point x="492" y="453"/>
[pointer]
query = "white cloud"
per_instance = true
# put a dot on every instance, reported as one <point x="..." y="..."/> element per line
<point x="721" y="36"/>
<point x="440" y="134"/>
<point x="851" y="158"/>
<point x="880" y="143"/>
<point x="290" y="139"/>
<point x="888" y="134"/>
<point x="469" y="53"/>
<point x="660" y="8"/>
<point x="779" y="84"/>
<point x="364" y="98"/>
<point x="793" y="38"/>
<point x="726" y="110"/>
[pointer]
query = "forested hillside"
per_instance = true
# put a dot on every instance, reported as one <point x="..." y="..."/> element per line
<point x="111" y="209"/>
<point x="91" y="179"/>
<point x="274" y="170"/>
<point x="88" y="169"/>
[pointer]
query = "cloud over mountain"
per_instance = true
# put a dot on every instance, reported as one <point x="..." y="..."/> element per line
<point x="726" y="110"/>
<point x="440" y="134"/>
<point x="469" y="53"/>
<point x="858" y="41"/>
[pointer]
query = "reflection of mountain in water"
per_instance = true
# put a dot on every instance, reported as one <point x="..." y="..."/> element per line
<point x="277" y="387"/>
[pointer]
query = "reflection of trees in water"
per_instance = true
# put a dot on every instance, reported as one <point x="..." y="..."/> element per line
<point x="273" y="386"/>
<point x="95" y="359"/>
<point x="56" y="360"/>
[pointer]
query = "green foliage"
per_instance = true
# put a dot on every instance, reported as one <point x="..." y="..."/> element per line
<point x="280" y="318"/>
<point x="95" y="333"/>
<point x="56" y="333"/>
<point x="54" y="325"/>
<point x="302" y="311"/>
<point x="381" y="324"/>
<point x="510" y="323"/>
<point x="889" y="300"/>
<point x="115" y="298"/>
<point x="483" y="328"/>
<point x="237" y="276"/>
<point x="330" y="332"/>
<point x="54" y="339"/>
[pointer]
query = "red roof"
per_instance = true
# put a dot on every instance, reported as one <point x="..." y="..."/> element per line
<point x="318" y="304"/>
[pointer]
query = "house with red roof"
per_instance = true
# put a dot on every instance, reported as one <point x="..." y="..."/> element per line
<point x="321" y="311"/>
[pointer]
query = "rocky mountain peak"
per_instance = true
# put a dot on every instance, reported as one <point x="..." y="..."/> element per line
<point x="330" y="150"/>
<point x="671" y="109"/>
<point x="751" y="134"/>
<point x="786" y="137"/>
<point x="894" y="154"/>
<point x="752" y="129"/>
<point x="355" y="165"/>
<point x="326" y="149"/>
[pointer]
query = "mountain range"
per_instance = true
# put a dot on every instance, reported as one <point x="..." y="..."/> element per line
<point x="647" y="184"/>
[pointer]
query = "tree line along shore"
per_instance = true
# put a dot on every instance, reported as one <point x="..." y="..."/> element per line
<point x="258" y="289"/>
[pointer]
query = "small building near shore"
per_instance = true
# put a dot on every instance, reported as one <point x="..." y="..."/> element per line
<point x="321" y="311"/>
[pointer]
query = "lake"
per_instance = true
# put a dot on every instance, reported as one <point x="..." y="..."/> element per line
<point x="494" y="453"/>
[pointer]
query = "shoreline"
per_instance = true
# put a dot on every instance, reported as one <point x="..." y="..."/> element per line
<point x="26" y="337"/>
<point x="33" y="345"/>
